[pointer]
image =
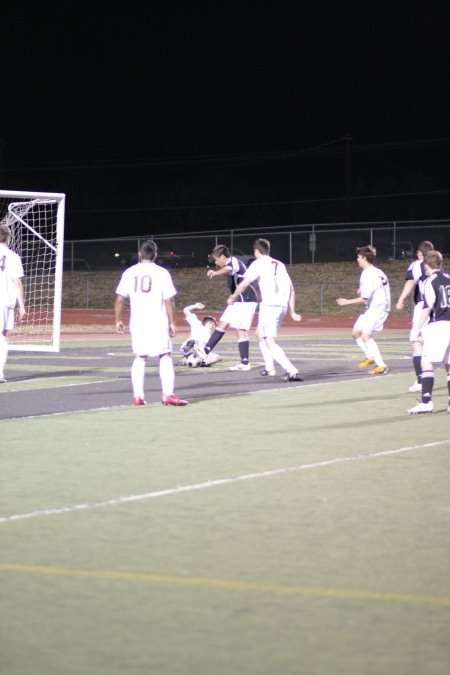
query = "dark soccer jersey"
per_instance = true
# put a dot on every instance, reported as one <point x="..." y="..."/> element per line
<point x="416" y="272"/>
<point x="437" y="296"/>
<point x="238" y="269"/>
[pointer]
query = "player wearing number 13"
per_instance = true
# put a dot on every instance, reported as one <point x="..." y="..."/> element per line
<point x="436" y="332"/>
<point x="150" y="291"/>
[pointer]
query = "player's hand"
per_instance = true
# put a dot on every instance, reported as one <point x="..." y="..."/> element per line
<point x="21" y="313"/>
<point x="230" y="300"/>
<point x="341" y="302"/>
<point x="295" y="316"/>
<point x="119" y="327"/>
<point x="199" y="305"/>
<point x="172" y="329"/>
<point x="210" y="274"/>
<point x="399" y="305"/>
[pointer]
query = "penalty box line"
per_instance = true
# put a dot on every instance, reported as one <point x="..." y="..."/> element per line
<point x="118" y="501"/>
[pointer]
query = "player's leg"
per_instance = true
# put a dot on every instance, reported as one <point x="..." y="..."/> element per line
<point x="270" y="321"/>
<point x="167" y="377"/>
<point x="269" y="366"/>
<point x="6" y="324"/>
<point x="241" y="316"/>
<point x="372" y="322"/>
<point x="357" y="336"/>
<point x="137" y="379"/>
<point x="417" y="345"/>
<point x="218" y="334"/>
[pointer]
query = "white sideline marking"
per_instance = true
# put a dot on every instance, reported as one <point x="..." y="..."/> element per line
<point x="211" y="483"/>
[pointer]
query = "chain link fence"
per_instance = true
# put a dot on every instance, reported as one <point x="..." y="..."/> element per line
<point x="294" y="245"/>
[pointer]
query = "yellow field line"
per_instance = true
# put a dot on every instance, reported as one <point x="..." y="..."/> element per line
<point x="228" y="584"/>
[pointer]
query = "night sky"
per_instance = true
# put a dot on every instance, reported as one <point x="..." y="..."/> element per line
<point x="200" y="104"/>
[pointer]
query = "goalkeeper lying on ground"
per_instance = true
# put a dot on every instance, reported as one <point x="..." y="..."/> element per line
<point x="201" y="330"/>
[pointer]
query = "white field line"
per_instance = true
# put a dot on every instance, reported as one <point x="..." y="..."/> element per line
<point x="118" y="501"/>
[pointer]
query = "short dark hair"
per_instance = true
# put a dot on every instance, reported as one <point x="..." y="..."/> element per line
<point x="433" y="259"/>
<point x="425" y="246"/>
<point x="148" y="250"/>
<point x="5" y="233"/>
<point x="262" y="245"/>
<point x="368" y="252"/>
<point x="208" y="318"/>
<point x="219" y="250"/>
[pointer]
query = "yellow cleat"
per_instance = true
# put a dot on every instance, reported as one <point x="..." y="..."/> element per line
<point x="378" y="370"/>
<point x="365" y="363"/>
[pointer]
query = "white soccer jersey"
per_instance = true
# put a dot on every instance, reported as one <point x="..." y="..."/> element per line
<point x="10" y="270"/>
<point x="374" y="288"/>
<point x="199" y="332"/>
<point x="274" y="281"/>
<point x="147" y="285"/>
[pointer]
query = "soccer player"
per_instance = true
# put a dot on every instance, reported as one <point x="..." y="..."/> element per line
<point x="240" y="315"/>
<point x="415" y="278"/>
<point x="434" y="325"/>
<point x="11" y="293"/>
<point x="374" y="293"/>
<point x="150" y="291"/>
<point x="201" y="331"/>
<point x="277" y="296"/>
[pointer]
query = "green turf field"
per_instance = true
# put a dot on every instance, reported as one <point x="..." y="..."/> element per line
<point x="300" y="530"/>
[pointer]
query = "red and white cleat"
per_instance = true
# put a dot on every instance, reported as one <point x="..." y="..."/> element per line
<point x="139" y="401"/>
<point x="172" y="399"/>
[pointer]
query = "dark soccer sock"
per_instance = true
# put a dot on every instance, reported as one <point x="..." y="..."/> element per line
<point x="244" y="346"/>
<point x="417" y="362"/>
<point x="427" y="385"/>
<point x="213" y="340"/>
<point x="448" y="385"/>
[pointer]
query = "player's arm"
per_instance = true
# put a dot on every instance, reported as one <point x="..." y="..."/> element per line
<point x="350" y="301"/>
<point x="171" y="314"/>
<point x="292" y="312"/>
<point x="426" y="311"/>
<point x="118" y="310"/>
<point x="407" y="288"/>
<point x="189" y="309"/>
<point x="223" y="271"/>
<point x="19" y="295"/>
<point x="240" y="288"/>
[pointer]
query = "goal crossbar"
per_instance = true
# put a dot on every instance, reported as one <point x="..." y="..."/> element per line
<point x="36" y="220"/>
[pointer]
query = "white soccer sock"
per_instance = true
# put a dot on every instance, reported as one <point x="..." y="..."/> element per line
<point x="280" y="357"/>
<point x="3" y="354"/>
<point x="267" y="356"/>
<point x="137" y="377"/>
<point x="167" y="374"/>
<point x="362" y="345"/>
<point x="374" y="352"/>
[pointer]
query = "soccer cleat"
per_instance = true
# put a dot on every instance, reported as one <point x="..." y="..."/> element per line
<point x="379" y="370"/>
<point x="172" y="399"/>
<point x="139" y="401"/>
<point x="415" y="388"/>
<point x="268" y="373"/>
<point x="241" y="366"/>
<point x="295" y="377"/>
<point x="365" y="363"/>
<point x="421" y="408"/>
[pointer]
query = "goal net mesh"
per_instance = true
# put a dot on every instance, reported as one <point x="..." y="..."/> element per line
<point x="36" y="224"/>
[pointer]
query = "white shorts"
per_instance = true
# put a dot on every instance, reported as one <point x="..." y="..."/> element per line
<point x="417" y="313"/>
<point x="239" y="315"/>
<point x="150" y="342"/>
<point x="7" y="317"/>
<point x="436" y="342"/>
<point x="270" y="320"/>
<point x="372" y="321"/>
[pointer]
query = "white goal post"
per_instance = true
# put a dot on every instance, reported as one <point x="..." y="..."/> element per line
<point x="36" y="220"/>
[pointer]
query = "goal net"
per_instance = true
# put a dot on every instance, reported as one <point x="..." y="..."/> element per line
<point x="36" y="220"/>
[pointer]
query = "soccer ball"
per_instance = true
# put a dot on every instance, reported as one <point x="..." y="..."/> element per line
<point x="193" y="360"/>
